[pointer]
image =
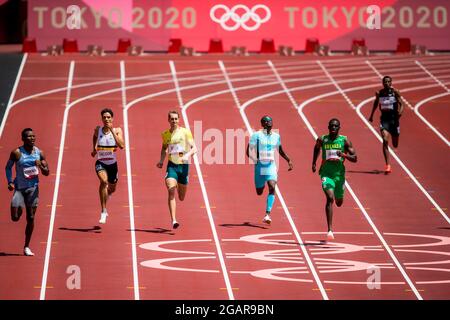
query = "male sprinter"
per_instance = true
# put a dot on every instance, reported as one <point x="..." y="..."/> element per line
<point x="391" y="107"/>
<point x="179" y="143"/>
<point x="28" y="159"/>
<point x="261" y="149"/>
<point x="105" y="141"/>
<point x="335" y="149"/>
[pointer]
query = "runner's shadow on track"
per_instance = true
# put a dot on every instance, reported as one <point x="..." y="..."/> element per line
<point x="94" y="229"/>
<point x="317" y="243"/>
<point x="366" y="172"/>
<point x="156" y="230"/>
<point x="5" y="254"/>
<point x="245" y="224"/>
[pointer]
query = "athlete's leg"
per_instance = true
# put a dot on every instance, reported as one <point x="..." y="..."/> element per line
<point x="103" y="188"/>
<point x="395" y="141"/>
<point x="111" y="188"/>
<point x="182" y="189"/>
<point x="171" y="185"/>
<point x="17" y="202"/>
<point x="329" y="193"/>
<point x="385" y="135"/>
<point x="339" y="202"/>
<point x="31" y="211"/>
<point x="271" y="196"/>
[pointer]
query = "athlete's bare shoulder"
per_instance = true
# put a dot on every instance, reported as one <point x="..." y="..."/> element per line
<point x="15" y="154"/>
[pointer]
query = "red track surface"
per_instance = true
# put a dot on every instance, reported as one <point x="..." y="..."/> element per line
<point x="390" y="224"/>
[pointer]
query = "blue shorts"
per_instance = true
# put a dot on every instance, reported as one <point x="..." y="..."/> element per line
<point x="28" y="197"/>
<point x="179" y="172"/>
<point x="265" y="172"/>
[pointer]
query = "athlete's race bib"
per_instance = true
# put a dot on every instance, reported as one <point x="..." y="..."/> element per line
<point x="105" y="155"/>
<point x="30" y="172"/>
<point x="332" y="155"/>
<point x="176" y="149"/>
<point x="387" y="103"/>
<point x="266" y="156"/>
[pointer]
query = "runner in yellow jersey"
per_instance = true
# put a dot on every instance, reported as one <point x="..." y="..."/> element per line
<point x="105" y="141"/>
<point x="179" y="144"/>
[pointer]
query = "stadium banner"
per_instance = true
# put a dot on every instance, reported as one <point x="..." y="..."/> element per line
<point x="152" y="23"/>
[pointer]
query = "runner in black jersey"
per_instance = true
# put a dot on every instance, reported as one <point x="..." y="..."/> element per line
<point x="391" y="107"/>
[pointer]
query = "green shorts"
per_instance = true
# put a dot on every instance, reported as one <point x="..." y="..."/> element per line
<point x="179" y="172"/>
<point x="337" y="183"/>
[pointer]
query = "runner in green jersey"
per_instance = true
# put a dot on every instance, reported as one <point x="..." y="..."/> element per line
<point x="335" y="149"/>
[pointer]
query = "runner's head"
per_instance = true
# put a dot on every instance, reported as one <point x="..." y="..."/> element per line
<point x="387" y="82"/>
<point x="173" y="118"/>
<point x="266" y="122"/>
<point x="28" y="137"/>
<point x="107" y="116"/>
<point x="333" y="126"/>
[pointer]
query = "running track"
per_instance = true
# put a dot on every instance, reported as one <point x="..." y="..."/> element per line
<point x="392" y="233"/>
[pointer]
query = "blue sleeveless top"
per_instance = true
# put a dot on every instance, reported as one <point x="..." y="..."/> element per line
<point x="27" y="172"/>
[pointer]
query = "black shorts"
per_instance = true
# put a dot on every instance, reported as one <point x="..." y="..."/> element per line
<point x="111" y="171"/>
<point x="391" y="125"/>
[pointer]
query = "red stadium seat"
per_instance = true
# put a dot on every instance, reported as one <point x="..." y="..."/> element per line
<point x="70" y="45"/>
<point x="403" y="45"/>
<point x="29" y="45"/>
<point x="359" y="42"/>
<point x="174" y="45"/>
<point x="311" y="45"/>
<point x="215" y="46"/>
<point x="123" y="44"/>
<point x="267" y="46"/>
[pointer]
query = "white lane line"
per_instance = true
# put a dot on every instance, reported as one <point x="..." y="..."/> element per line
<point x="130" y="184"/>
<point x="202" y="185"/>
<point x="358" y="202"/>
<point x="149" y="77"/>
<point x="277" y="189"/>
<point x="432" y="76"/>
<point x="408" y="172"/>
<point x="58" y="178"/>
<point x="13" y="93"/>
<point x="335" y="84"/>
<point x="420" y="103"/>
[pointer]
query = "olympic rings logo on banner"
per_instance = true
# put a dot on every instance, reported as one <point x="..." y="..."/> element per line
<point x="240" y="21"/>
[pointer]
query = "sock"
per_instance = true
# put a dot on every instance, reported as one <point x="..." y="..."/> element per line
<point x="269" y="203"/>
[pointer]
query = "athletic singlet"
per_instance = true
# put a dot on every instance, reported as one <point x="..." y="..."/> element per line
<point x="27" y="172"/>
<point x="330" y="159"/>
<point x="388" y="103"/>
<point x="106" y="147"/>
<point x="177" y="143"/>
<point x="266" y="145"/>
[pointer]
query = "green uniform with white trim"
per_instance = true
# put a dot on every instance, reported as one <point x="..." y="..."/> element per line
<point x="332" y="170"/>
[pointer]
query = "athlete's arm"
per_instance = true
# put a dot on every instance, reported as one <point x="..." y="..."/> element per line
<point x="193" y="150"/>
<point x="316" y="153"/>
<point x="251" y="153"/>
<point x="163" y="155"/>
<point x="375" y="105"/>
<point x="94" y="141"/>
<point x="285" y="157"/>
<point x="13" y="157"/>
<point x="43" y="165"/>
<point x="118" y="136"/>
<point x="399" y="102"/>
<point x="350" y="153"/>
